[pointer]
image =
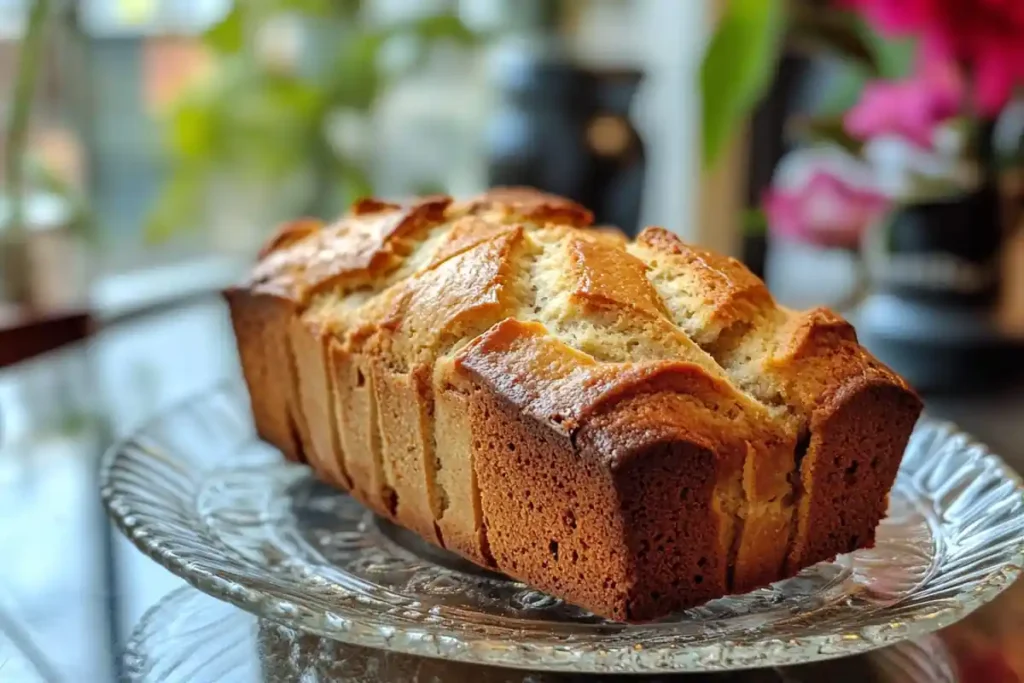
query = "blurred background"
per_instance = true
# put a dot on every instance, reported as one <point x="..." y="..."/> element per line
<point x="861" y="154"/>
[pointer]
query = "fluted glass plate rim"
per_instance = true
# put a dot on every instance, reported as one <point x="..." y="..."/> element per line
<point x="147" y="517"/>
<point x="175" y="638"/>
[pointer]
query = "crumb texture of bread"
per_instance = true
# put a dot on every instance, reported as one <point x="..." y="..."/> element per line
<point x="635" y="427"/>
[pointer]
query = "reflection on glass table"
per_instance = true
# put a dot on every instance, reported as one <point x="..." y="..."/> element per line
<point x="190" y="637"/>
<point x="53" y="533"/>
<point x="20" y="658"/>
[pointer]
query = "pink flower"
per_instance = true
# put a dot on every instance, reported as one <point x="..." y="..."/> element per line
<point x="987" y="36"/>
<point x="909" y="109"/>
<point x="825" y="210"/>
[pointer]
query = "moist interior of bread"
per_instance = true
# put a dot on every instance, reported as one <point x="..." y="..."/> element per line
<point x="538" y="291"/>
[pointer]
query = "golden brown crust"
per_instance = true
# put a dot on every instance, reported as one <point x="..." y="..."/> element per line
<point x="261" y="323"/>
<point x="466" y="233"/>
<point x="636" y="427"/>
<point x="350" y="251"/>
<point x="859" y="417"/>
<point x="606" y="277"/>
<point x="669" y="482"/>
<point x="727" y="293"/>
<point x="526" y="203"/>
<point x="726" y="276"/>
<point x="558" y="386"/>
<point x="289" y="233"/>
<point x="432" y="306"/>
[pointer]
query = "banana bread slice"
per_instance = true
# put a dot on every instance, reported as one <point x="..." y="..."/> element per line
<point x="635" y="427"/>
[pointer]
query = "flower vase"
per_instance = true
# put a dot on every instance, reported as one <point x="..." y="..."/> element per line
<point x="936" y="270"/>
<point x="44" y="264"/>
<point x="944" y="251"/>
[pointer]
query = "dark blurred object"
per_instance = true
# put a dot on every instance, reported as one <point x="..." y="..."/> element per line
<point x="566" y="129"/>
<point x="936" y="317"/>
<point x="1008" y="148"/>
<point x="945" y="251"/>
<point x="767" y="143"/>
<point x="939" y="348"/>
<point x="25" y="333"/>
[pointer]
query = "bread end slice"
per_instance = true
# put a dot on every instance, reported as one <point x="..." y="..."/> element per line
<point x="853" y="451"/>
<point x="632" y="537"/>
<point x="261" y="322"/>
<point x="317" y="400"/>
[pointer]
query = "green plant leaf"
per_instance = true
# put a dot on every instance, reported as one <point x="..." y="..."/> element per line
<point x="425" y="188"/>
<point x="838" y="32"/>
<point x="192" y="130"/>
<point x="259" y="122"/>
<point x="844" y="88"/>
<point x="437" y="27"/>
<point x="228" y="35"/>
<point x="355" y="79"/>
<point x="896" y="57"/>
<point x="355" y="183"/>
<point x="178" y="206"/>
<point x="755" y="222"/>
<point x="317" y="8"/>
<point x="810" y="129"/>
<point x="738" y="68"/>
<point x="251" y="123"/>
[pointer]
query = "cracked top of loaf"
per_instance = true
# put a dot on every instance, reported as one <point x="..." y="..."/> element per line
<point x="515" y="289"/>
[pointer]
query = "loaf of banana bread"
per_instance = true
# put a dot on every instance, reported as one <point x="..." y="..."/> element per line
<point x="633" y="426"/>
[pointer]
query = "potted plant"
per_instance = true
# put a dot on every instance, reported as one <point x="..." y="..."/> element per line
<point x="46" y="224"/>
<point x="287" y="106"/>
<point x="905" y="168"/>
<point x="942" y="241"/>
<point x="15" y="287"/>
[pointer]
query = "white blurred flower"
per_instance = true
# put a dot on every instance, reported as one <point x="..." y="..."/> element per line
<point x="905" y="171"/>
<point x="797" y="167"/>
<point x="350" y="134"/>
<point x="279" y="43"/>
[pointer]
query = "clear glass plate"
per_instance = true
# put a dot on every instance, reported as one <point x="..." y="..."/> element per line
<point x="197" y="492"/>
<point x="190" y="637"/>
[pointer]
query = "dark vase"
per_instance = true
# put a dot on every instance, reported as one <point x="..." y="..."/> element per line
<point x="566" y="129"/>
<point x="937" y="272"/>
<point x="945" y="252"/>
